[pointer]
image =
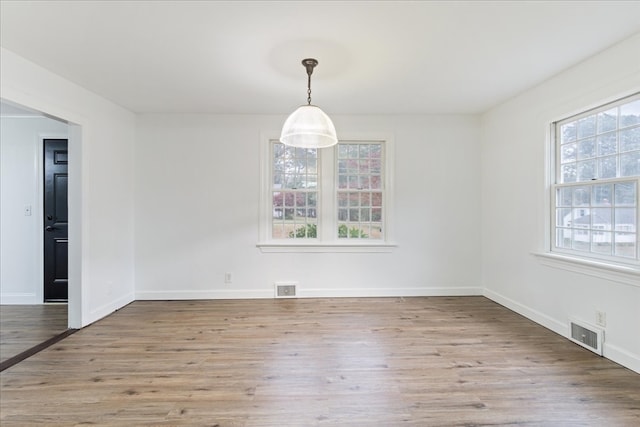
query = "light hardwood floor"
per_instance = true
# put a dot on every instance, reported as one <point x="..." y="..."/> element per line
<point x="436" y="361"/>
<point x="25" y="326"/>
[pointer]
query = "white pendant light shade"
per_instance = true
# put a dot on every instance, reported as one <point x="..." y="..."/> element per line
<point x="309" y="127"/>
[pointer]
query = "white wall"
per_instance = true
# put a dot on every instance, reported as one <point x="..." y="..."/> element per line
<point x="197" y="211"/>
<point x="101" y="139"/>
<point x="20" y="182"/>
<point x="514" y="199"/>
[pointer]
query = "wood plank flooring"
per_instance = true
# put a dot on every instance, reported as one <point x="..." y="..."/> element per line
<point x="25" y="326"/>
<point x="438" y="361"/>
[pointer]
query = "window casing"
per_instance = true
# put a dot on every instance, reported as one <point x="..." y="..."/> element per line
<point x="328" y="199"/>
<point x="594" y="199"/>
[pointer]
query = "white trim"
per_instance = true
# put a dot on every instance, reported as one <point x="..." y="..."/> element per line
<point x="315" y="247"/>
<point x="540" y="318"/>
<point x="326" y="242"/>
<point x="623" y="357"/>
<point x="436" y="291"/>
<point x="79" y="127"/>
<point x="602" y="270"/>
<point x="108" y="308"/>
<point x="611" y="352"/>
<point x="199" y="294"/>
<point x="30" y="298"/>
<point x="312" y="293"/>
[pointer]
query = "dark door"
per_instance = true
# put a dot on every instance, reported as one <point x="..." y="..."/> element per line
<point x="55" y="220"/>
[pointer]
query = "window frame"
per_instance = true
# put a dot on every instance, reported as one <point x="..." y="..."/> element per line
<point x="612" y="267"/>
<point x="327" y="238"/>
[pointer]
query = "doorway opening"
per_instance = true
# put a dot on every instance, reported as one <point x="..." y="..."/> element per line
<point x="29" y="207"/>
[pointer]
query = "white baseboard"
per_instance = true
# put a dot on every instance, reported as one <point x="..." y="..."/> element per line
<point x="106" y="309"/>
<point x="442" y="291"/>
<point x="622" y="357"/>
<point x="309" y="293"/>
<point x="560" y="328"/>
<point x="611" y="352"/>
<point x="198" y="294"/>
<point x="19" y="299"/>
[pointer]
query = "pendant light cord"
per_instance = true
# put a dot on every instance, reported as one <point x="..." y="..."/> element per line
<point x="309" y="88"/>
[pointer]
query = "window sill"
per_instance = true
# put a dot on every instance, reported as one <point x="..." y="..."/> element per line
<point x="628" y="275"/>
<point x="315" y="247"/>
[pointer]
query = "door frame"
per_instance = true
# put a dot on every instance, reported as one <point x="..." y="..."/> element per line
<point x="78" y="128"/>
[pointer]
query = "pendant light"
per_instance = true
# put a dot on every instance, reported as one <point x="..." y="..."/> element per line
<point x="309" y="126"/>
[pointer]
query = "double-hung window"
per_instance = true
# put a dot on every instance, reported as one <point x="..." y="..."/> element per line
<point x="336" y="197"/>
<point x="595" y="212"/>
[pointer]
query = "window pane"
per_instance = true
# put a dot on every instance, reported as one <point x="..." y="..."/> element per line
<point x="289" y="198"/>
<point x="626" y="219"/>
<point x="601" y="219"/>
<point x="365" y="199"/>
<point x="354" y="199"/>
<point x="602" y="195"/>
<point x="294" y="211"/>
<point x="601" y="242"/>
<point x="278" y="199"/>
<point x="607" y="144"/>
<point x="607" y="167"/>
<point x="626" y="245"/>
<point x="594" y="216"/>
<point x="359" y="170"/>
<point x="568" y="132"/>
<point x="581" y="240"/>
<point x="630" y="164"/>
<point x="301" y="199"/>
<point x="587" y="148"/>
<point x="342" y="181"/>
<point x="563" y="217"/>
<point x="581" y="196"/>
<point x="343" y="199"/>
<point x="569" y="172"/>
<point x="564" y="196"/>
<point x="563" y="238"/>
<point x="586" y="127"/>
<point x="630" y="114"/>
<point x="376" y="166"/>
<point x="607" y="120"/>
<point x="568" y="153"/>
<point x="625" y="194"/>
<point x="586" y="170"/>
<point x="630" y="139"/>
<point x="342" y="166"/>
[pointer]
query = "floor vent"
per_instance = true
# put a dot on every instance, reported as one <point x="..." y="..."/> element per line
<point x="286" y="290"/>
<point x="587" y="336"/>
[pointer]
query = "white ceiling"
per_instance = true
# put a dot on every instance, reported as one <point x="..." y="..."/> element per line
<point x="382" y="57"/>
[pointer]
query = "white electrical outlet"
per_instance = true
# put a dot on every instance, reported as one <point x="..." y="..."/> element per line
<point x="601" y="318"/>
<point x="227" y="277"/>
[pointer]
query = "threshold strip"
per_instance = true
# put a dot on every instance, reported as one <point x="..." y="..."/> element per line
<point x="35" y="349"/>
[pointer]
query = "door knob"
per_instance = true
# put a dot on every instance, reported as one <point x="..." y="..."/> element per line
<point x="49" y="228"/>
